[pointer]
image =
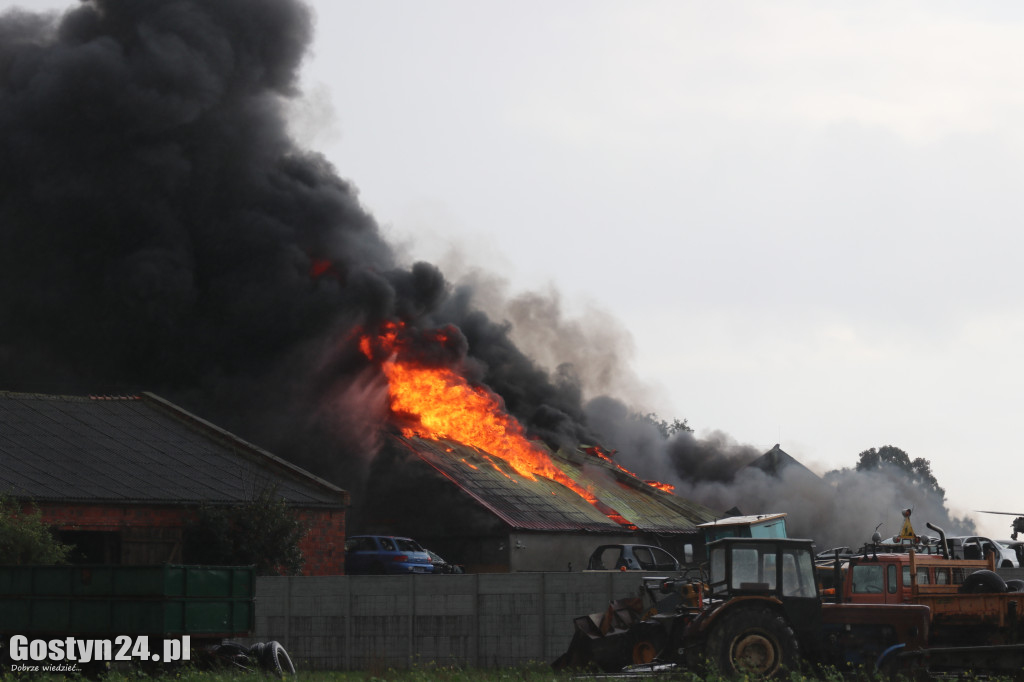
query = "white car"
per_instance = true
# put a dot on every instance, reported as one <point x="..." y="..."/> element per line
<point x="976" y="547"/>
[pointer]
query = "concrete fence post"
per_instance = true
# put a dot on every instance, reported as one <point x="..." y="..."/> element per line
<point x="347" y="654"/>
<point x="476" y="619"/>
<point x="288" y="612"/>
<point x="543" y="615"/>
<point x="412" y="620"/>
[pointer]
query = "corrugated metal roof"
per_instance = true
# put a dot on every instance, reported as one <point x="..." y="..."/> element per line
<point x="543" y="504"/>
<point x="137" y="449"/>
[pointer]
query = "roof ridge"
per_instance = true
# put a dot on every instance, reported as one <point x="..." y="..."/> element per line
<point x="184" y="415"/>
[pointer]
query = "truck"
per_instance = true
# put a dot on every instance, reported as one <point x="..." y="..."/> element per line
<point x="144" y="615"/>
<point x="758" y="611"/>
<point x="968" y="601"/>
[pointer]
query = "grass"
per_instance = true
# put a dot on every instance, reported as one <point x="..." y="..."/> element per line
<point x="532" y="673"/>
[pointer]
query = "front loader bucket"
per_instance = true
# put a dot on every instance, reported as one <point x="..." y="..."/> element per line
<point x="604" y="640"/>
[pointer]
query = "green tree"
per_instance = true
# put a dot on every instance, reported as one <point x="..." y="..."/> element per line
<point x="25" y="538"/>
<point x="666" y="429"/>
<point x="918" y="470"/>
<point x="263" y="533"/>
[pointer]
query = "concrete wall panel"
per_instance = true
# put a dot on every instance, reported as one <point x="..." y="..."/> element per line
<point x="480" y="620"/>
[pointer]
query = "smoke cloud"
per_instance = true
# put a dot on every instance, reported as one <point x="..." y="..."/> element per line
<point x="838" y="508"/>
<point x="161" y="230"/>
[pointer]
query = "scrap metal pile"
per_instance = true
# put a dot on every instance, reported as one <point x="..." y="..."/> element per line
<point x="757" y="608"/>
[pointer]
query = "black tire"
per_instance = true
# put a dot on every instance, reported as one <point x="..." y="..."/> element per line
<point x="1015" y="585"/>
<point x="232" y="655"/>
<point x="276" y="659"/>
<point x="753" y="642"/>
<point x="983" y="582"/>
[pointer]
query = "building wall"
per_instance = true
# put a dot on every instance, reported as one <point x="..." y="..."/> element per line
<point x="571" y="551"/>
<point x="556" y="551"/>
<point x="152" y="534"/>
<point x="324" y="544"/>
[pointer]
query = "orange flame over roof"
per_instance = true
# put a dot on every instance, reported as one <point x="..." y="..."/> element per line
<point x="445" y="405"/>
<point x="601" y="453"/>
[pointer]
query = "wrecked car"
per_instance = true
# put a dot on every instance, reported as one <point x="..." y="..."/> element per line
<point x="631" y="558"/>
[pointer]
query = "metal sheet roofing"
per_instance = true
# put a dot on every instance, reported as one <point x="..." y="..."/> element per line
<point x="543" y="504"/>
<point x="137" y="449"/>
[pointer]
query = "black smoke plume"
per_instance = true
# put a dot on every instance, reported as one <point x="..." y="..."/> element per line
<point x="160" y="230"/>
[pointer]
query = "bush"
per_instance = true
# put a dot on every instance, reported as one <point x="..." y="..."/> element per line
<point x="25" y="539"/>
<point x="263" y="532"/>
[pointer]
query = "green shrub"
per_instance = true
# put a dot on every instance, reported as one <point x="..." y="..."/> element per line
<point x="262" y="532"/>
<point x="25" y="538"/>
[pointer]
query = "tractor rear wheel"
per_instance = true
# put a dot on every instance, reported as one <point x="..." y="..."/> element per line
<point x="752" y="641"/>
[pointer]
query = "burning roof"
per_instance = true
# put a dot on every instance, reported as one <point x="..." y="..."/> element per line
<point x="544" y="504"/>
<point x="463" y="431"/>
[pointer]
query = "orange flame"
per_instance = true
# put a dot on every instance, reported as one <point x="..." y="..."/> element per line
<point x="601" y="453"/>
<point x="445" y="405"/>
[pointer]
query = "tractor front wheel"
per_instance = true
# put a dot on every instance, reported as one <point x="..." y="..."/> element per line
<point x="752" y="642"/>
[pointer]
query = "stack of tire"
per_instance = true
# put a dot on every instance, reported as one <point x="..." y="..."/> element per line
<point x="270" y="656"/>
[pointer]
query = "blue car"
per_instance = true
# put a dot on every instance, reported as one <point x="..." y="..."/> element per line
<point x="382" y="554"/>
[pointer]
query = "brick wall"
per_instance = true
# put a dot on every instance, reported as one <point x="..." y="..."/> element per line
<point x="152" y="533"/>
<point x="324" y="544"/>
<point x="113" y="517"/>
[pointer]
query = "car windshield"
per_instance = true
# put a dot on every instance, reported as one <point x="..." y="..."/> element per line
<point x="406" y="545"/>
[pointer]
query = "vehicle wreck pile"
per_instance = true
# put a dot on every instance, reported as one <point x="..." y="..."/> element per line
<point x="757" y="608"/>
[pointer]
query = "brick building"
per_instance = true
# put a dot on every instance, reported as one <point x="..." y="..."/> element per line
<point x="120" y="478"/>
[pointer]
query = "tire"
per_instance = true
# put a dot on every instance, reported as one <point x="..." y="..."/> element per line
<point x="233" y="655"/>
<point x="752" y="642"/>
<point x="983" y="582"/>
<point x="276" y="659"/>
<point x="1015" y="585"/>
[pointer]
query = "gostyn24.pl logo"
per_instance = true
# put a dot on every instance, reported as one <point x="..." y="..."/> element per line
<point x="37" y="655"/>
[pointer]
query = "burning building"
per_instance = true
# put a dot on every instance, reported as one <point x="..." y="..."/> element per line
<point x="465" y="477"/>
<point x="476" y="509"/>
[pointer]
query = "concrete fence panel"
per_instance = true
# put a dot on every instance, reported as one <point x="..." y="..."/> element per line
<point x="481" y="620"/>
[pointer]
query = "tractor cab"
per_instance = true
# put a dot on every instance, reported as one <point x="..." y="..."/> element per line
<point x="772" y="571"/>
<point x="783" y="568"/>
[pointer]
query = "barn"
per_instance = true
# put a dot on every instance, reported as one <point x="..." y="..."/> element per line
<point x="474" y="509"/>
<point x="121" y="477"/>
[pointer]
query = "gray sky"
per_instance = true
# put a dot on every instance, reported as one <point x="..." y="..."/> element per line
<point x="804" y="215"/>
